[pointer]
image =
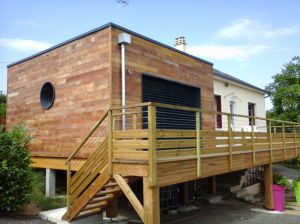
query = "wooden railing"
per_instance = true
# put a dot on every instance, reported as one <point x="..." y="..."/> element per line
<point x="94" y="148"/>
<point x="144" y="141"/>
<point x="173" y="144"/>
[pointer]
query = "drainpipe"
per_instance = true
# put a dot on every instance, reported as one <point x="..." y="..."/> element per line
<point x="123" y="39"/>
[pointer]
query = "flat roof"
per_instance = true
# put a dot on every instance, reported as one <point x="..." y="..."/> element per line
<point x="101" y="28"/>
<point x="223" y="75"/>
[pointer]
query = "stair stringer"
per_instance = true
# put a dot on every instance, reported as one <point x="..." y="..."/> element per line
<point x="87" y="195"/>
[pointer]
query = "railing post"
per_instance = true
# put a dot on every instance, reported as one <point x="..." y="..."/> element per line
<point x="110" y="142"/>
<point x="134" y="121"/>
<point x="283" y="138"/>
<point x="270" y="142"/>
<point x="113" y="123"/>
<point x="295" y="140"/>
<point x="229" y="120"/>
<point x="68" y="187"/>
<point x="198" y="144"/>
<point x="243" y="137"/>
<point x="253" y="141"/>
<point x="152" y="145"/>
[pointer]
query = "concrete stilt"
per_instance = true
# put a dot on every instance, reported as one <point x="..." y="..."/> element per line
<point x="50" y="182"/>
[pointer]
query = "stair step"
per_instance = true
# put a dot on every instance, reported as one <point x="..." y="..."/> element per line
<point x="94" y="205"/>
<point x="103" y="198"/>
<point x="293" y="205"/>
<point x="89" y="212"/>
<point x="113" y="184"/>
<point x="108" y="191"/>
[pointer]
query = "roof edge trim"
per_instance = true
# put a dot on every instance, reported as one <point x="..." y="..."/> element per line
<point x="236" y="80"/>
<point x="110" y="24"/>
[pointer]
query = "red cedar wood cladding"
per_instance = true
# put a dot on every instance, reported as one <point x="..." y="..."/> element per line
<point x="81" y="72"/>
<point x="143" y="56"/>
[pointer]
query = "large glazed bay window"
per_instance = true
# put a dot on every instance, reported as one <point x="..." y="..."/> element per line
<point x="218" y="108"/>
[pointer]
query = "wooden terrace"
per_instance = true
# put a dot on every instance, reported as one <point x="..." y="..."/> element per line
<point x="132" y="142"/>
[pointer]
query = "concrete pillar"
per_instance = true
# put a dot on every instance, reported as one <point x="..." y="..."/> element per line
<point x="50" y="183"/>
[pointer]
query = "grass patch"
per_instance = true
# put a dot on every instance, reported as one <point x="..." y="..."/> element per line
<point x="38" y="194"/>
<point x="49" y="203"/>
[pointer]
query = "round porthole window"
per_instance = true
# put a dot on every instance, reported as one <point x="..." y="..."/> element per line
<point x="47" y="95"/>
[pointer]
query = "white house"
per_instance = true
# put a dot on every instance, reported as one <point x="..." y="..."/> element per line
<point x="235" y="96"/>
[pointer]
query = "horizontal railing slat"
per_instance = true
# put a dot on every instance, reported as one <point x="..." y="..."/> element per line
<point x="139" y="133"/>
<point x="130" y="144"/>
<point x="89" y="161"/>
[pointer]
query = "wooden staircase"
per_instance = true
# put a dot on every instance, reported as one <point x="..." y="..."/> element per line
<point x="91" y="189"/>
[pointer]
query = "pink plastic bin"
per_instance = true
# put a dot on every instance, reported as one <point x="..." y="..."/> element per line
<point x="279" y="197"/>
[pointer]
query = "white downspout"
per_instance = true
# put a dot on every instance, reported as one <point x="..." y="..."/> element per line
<point x="123" y="39"/>
<point x="123" y="71"/>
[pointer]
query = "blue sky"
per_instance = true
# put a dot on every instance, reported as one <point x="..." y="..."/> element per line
<point x="248" y="39"/>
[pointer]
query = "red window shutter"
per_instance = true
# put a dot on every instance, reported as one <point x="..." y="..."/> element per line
<point x="219" y="109"/>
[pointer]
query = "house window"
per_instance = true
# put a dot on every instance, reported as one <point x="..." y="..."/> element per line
<point x="218" y="108"/>
<point x="47" y="95"/>
<point x="232" y="111"/>
<point x="251" y="113"/>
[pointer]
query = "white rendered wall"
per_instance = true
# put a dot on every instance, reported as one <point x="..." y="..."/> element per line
<point x="241" y="96"/>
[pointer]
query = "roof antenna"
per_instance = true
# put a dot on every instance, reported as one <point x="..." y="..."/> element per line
<point x="123" y="3"/>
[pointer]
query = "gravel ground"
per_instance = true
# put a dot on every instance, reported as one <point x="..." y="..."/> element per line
<point x="19" y="219"/>
<point x="231" y="212"/>
<point x="289" y="172"/>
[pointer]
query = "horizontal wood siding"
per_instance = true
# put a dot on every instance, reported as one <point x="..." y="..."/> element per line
<point x="80" y="73"/>
<point x="143" y="56"/>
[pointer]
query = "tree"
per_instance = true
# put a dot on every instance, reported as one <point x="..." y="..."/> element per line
<point x="284" y="92"/>
<point x="2" y="106"/>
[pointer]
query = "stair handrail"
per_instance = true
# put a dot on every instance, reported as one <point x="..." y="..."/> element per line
<point x="68" y="161"/>
<point x="98" y="123"/>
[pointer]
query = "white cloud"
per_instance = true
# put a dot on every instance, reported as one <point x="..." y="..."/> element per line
<point x="253" y="29"/>
<point x="288" y="31"/>
<point x="222" y="52"/>
<point x="23" y="44"/>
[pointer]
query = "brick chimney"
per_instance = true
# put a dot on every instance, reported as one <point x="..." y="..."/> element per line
<point x="180" y="43"/>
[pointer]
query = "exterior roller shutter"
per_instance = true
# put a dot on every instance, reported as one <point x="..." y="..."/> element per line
<point x="165" y="91"/>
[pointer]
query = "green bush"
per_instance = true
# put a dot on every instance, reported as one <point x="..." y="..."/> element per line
<point x="2" y="99"/>
<point x="2" y="110"/>
<point x="281" y="180"/>
<point x="15" y="171"/>
<point x="2" y="106"/>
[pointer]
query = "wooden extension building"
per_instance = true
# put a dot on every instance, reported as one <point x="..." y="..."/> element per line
<point x="112" y="106"/>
